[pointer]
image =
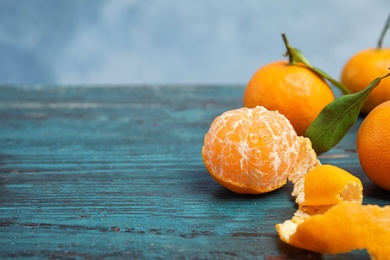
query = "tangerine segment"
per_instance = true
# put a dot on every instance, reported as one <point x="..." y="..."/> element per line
<point x="250" y="150"/>
<point x="345" y="227"/>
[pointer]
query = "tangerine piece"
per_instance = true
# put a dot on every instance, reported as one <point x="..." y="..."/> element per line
<point x="254" y="150"/>
<point x="373" y="142"/>
<point x="361" y="69"/>
<point x="345" y="227"/>
<point x="294" y="90"/>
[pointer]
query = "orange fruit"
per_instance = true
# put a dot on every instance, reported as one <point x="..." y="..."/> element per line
<point x="294" y="90"/>
<point x="345" y="227"/>
<point x="373" y="142"/>
<point x="362" y="68"/>
<point x="254" y="150"/>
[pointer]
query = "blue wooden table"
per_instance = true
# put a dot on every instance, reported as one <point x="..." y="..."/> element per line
<point x="116" y="172"/>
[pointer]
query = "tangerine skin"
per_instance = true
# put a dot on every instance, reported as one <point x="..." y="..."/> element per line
<point x="293" y="90"/>
<point x="345" y="227"/>
<point x="330" y="185"/>
<point x="373" y="143"/>
<point x="361" y="69"/>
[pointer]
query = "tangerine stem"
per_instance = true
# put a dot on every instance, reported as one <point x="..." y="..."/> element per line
<point x="387" y="26"/>
<point x="289" y="53"/>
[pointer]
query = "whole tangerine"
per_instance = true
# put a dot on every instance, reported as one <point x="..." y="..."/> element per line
<point x="365" y="66"/>
<point x="373" y="142"/>
<point x="361" y="69"/>
<point x="292" y="89"/>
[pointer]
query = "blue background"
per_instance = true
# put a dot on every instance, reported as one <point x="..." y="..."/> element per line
<point x="70" y="42"/>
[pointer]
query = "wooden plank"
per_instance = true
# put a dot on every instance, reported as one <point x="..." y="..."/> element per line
<point x="116" y="172"/>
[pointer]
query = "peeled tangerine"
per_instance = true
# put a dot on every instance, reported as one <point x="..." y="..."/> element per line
<point x="331" y="219"/>
<point x="254" y="150"/>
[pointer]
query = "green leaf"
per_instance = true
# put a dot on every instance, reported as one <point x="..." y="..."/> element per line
<point x="334" y="82"/>
<point x="296" y="56"/>
<point x="299" y="57"/>
<point x="335" y="120"/>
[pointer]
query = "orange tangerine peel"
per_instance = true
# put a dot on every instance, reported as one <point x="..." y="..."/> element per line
<point x="325" y="186"/>
<point x="255" y="150"/>
<point x="330" y="216"/>
<point x="345" y="227"/>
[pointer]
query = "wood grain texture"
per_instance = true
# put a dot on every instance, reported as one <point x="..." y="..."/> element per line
<point x="116" y="172"/>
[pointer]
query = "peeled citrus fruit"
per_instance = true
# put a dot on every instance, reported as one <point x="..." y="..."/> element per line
<point x="345" y="227"/>
<point x="254" y="150"/>
<point x="292" y="89"/>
